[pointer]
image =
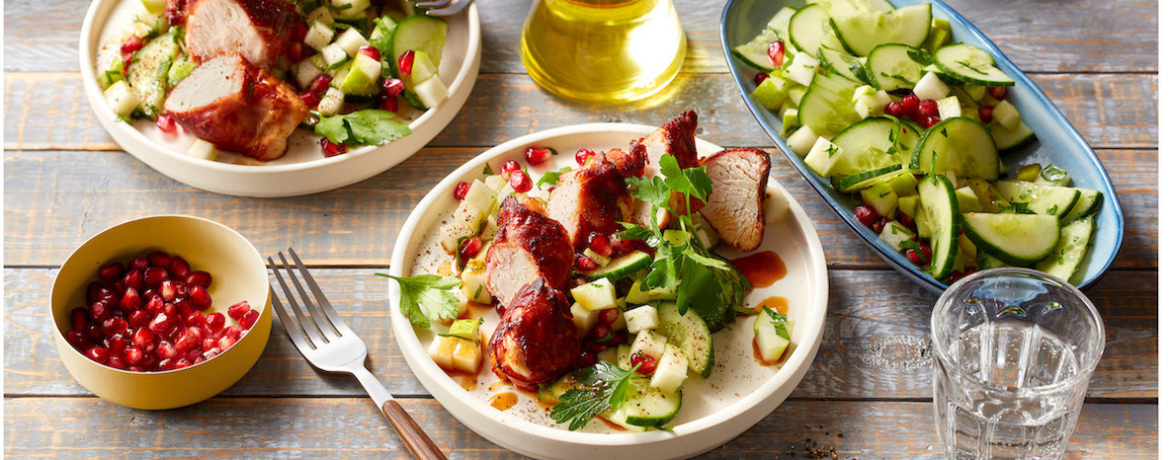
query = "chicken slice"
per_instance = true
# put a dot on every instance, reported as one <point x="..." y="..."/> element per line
<point x="238" y="107"/>
<point x="631" y="163"/>
<point x="536" y="340"/>
<point x="259" y="30"/>
<point x="677" y="139"/>
<point x="735" y="207"/>
<point x="591" y="200"/>
<point x="528" y="246"/>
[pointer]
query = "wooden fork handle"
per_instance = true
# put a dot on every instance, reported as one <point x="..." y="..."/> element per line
<point x="417" y="441"/>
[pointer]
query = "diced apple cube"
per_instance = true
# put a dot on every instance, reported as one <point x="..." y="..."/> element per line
<point x="474" y="284"/>
<point x="583" y="318"/>
<point x="802" y="141"/>
<point x="803" y="68"/>
<point x="641" y="318"/>
<point x="351" y="40"/>
<point x="441" y="350"/>
<point x="931" y="87"/>
<point x="822" y="157"/>
<point x="671" y="371"/>
<point x="319" y="35"/>
<point x="431" y="91"/>
<point x="331" y="102"/>
<point x="350" y="9"/>
<point x="598" y="294"/>
<point x="466" y="356"/>
<point x="648" y="343"/>
<point x="123" y="100"/>
<point x="203" y="150"/>
<point x="1006" y="114"/>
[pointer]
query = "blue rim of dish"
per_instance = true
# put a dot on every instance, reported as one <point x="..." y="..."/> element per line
<point x="891" y="257"/>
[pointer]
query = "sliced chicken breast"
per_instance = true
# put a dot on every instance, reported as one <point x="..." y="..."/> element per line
<point x="536" y="340"/>
<point x="259" y="30"/>
<point x="675" y="138"/>
<point x="591" y="200"/>
<point x="238" y="107"/>
<point x="528" y="246"/>
<point x="735" y="207"/>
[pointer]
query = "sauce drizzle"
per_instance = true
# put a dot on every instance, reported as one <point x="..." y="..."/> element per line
<point x="762" y="268"/>
<point x="503" y="401"/>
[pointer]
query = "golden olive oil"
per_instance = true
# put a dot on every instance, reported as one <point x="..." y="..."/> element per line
<point x="603" y="51"/>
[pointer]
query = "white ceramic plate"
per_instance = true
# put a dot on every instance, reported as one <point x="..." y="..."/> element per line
<point x="740" y="391"/>
<point x="304" y="169"/>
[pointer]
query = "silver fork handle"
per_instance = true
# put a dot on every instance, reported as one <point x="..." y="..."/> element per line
<point x="416" y="440"/>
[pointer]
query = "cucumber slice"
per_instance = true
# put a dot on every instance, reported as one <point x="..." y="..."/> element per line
<point x="971" y="65"/>
<point x="779" y="23"/>
<point x="1040" y="199"/>
<point x="419" y="33"/>
<point x="1070" y="251"/>
<point x="771" y="344"/>
<point x="648" y="406"/>
<point x="827" y="106"/>
<point x="859" y="181"/>
<point x="621" y="266"/>
<point x="872" y="144"/>
<point x="985" y="262"/>
<point x="957" y="144"/>
<point x="848" y="7"/>
<point x="147" y="74"/>
<point x="940" y="214"/>
<point x="892" y="66"/>
<point x="690" y="334"/>
<point x="809" y="30"/>
<point x="838" y="63"/>
<point x="860" y="33"/>
<point x="1087" y="205"/>
<point x="1016" y="239"/>
<point x="755" y="52"/>
<point x="1011" y="139"/>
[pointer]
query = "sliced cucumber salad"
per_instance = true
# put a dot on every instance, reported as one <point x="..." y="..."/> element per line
<point x="880" y="102"/>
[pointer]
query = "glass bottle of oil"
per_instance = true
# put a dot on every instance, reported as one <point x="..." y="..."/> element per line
<point x="603" y="52"/>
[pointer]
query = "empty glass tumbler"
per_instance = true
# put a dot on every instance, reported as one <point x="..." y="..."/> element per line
<point x="1013" y="352"/>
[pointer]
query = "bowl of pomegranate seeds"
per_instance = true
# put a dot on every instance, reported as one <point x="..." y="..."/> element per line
<point x="161" y="312"/>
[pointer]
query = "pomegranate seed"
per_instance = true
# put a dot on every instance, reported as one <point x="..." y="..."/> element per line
<point x="166" y="364"/>
<point x="649" y="364"/>
<point x="609" y="315"/>
<point x="140" y="263"/>
<point x="199" y="278"/>
<point x="913" y="257"/>
<point x="310" y="99"/>
<point x="199" y="298"/>
<point x="78" y="318"/>
<point x="776" y="53"/>
<point x="76" y="338"/>
<point x="116" y="343"/>
<point x="320" y="84"/>
<point x="99" y="311"/>
<point x="461" y="190"/>
<point x="127" y="59"/>
<point x="159" y="259"/>
<point x="182" y="362"/>
<point x="538" y="155"/>
<point x="509" y="167"/>
<point x="215" y="322"/>
<point x="116" y="362"/>
<point x="133" y="355"/>
<point x="233" y="331"/>
<point x="583" y="156"/>
<point x="139" y="318"/>
<point x="906" y="220"/>
<point x="330" y="149"/>
<point x="108" y="273"/>
<point x="133" y="279"/>
<point x="98" y="354"/>
<point x="587" y="359"/>
<point x="209" y="345"/>
<point x="168" y="291"/>
<point x="930" y="121"/>
<point x="910" y="103"/>
<point x="153" y="276"/>
<point x="131" y="300"/>
<point x="997" y="92"/>
<point x="237" y="311"/>
<point x="600" y="245"/>
<point x="621" y="246"/>
<point x="96" y="291"/>
<point x="183" y="308"/>
<point x="865" y="214"/>
<point x="760" y="78"/>
<point x="143" y="339"/>
<point x="620" y="337"/>
<point x="132" y="45"/>
<point x="179" y="267"/>
<point x="880" y="224"/>
<point x="165" y="350"/>
<point x="226" y="342"/>
<point x="154" y="305"/>
<point x="406" y="63"/>
<point x="895" y="109"/>
<point x="928" y="108"/>
<point x="114" y="325"/>
<point x="985" y="113"/>
<point x="161" y="323"/>
<point x="188" y="340"/>
<point x="595" y="347"/>
<point x="584" y="263"/>
<point x="393" y="87"/>
<point x="249" y="319"/>
<point x="389" y="104"/>
<point x="520" y="182"/>
<point x="296" y="51"/>
<point x="370" y="52"/>
<point x="196" y="318"/>
<point x="470" y="248"/>
<point x="93" y="332"/>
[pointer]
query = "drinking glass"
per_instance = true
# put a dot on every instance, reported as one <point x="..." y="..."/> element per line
<point x="1013" y="352"/>
<point x="603" y="52"/>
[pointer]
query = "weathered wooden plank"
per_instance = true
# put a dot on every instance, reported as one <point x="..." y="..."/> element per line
<point x="55" y="200"/>
<point x="85" y="428"/>
<point x="875" y="343"/>
<point x="1070" y="36"/>
<point x="48" y="111"/>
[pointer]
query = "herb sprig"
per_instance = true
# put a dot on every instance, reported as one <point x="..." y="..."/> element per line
<point x="603" y="387"/>
<point x="425" y="298"/>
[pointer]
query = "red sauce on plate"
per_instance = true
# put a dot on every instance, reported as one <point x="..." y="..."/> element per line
<point x="762" y="268"/>
<point x="503" y="401"/>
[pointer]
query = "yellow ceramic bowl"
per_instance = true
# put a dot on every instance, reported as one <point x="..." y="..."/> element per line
<point x="238" y="273"/>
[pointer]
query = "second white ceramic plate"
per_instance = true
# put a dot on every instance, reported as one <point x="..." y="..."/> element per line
<point x="740" y="391"/>
<point x="304" y="169"/>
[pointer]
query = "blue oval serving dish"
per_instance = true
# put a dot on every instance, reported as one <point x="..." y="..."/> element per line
<point x="1058" y="142"/>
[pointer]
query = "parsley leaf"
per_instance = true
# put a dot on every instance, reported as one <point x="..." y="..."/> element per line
<point x="638" y="232"/>
<point x="430" y="292"/>
<point x="363" y="127"/>
<point x="691" y="181"/>
<point x="779" y="321"/>
<point x="650" y="189"/>
<point x="602" y="387"/>
<point x="551" y="177"/>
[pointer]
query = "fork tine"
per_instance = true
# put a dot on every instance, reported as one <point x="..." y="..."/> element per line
<point x="456" y="6"/>
<point x="294" y="330"/>
<point x="432" y="3"/>
<point x="312" y="308"/>
<point x="308" y="326"/>
<point x="322" y="301"/>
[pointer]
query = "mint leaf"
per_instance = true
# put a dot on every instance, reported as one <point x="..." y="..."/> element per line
<point x="426" y="298"/>
<point x="603" y="387"/>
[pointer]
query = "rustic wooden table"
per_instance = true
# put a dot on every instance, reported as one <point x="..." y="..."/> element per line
<point x="65" y="180"/>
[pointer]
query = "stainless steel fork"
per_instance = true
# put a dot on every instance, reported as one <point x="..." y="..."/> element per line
<point x="328" y="344"/>
<point x="449" y="7"/>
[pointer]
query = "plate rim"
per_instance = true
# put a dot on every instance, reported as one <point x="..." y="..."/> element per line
<point x="895" y="261"/>
<point x="407" y="339"/>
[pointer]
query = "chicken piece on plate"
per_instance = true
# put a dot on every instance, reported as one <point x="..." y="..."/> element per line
<point x="591" y="200"/>
<point x="536" y="340"/>
<point x="259" y="30"/>
<point x="631" y="163"/>
<point x="675" y="138"/>
<point x="735" y="207"/>
<point x="528" y="246"/>
<point x="238" y="107"/>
